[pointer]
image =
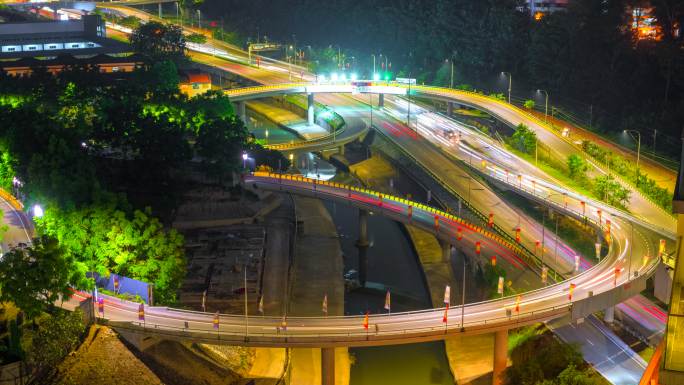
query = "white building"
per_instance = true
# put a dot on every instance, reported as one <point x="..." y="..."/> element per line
<point x="540" y="7"/>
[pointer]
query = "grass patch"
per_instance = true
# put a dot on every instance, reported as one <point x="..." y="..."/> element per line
<point x="552" y="170"/>
<point x="522" y="335"/>
<point x="574" y="233"/>
<point x="647" y="353"/>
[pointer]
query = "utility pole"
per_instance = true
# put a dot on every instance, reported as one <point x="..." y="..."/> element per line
<point x="463" y="293"/>
<point x="451" y="83"/>
<point x="246" y="315"/>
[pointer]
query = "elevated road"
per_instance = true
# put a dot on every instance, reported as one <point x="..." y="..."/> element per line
<point x="599" y="286"/>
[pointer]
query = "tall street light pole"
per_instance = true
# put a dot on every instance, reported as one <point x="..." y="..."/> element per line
<point x="510" y="83"/>
<point x="451" y="83"/>
<point x="546" y="104"/>
<point x="373" y="55"/>
<point x="638" y="140"/>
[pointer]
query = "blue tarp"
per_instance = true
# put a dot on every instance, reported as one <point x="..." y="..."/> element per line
<point x="125" y="285"/>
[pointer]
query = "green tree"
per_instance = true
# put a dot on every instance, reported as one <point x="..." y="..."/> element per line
<point x="220" y="143"/>
<point x="610" y="191"/>
<point x="37" y="276"/>
<point x="197" y="38"/>
<point x="57" y="335"/>
<point x="158" y="41"/>
<point x="163" y="78"/>
<point x="541" y="358"/>
<point x="529" y="104"/>
<point x="109" y="238"/>
<point x="524" y="139"/>
<point x="577" y="166"/>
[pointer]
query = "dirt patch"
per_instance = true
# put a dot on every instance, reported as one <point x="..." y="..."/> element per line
<point x="176" y="364"/>
<point x="102" y="359"/>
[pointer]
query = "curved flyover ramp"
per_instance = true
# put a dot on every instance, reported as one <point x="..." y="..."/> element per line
<point x="594" y="289"/>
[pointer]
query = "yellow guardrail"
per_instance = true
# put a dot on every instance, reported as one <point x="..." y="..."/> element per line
<point x="14" y="202"/>
<point x="298" y="178"/>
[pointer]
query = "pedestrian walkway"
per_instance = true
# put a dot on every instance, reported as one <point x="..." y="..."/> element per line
<point x="288" y="120"/>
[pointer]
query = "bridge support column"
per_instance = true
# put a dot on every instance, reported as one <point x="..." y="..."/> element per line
<point x="381" y="100"/>
<point x="450" y="108"/>
<point x="327" y="366"/>
<point x="446" y="251"/>
<point x="340" y="149"/>
<point x="362" y="245"/>
<point x="609" y="315"/>
<point x="310" y="109"/>
<point x="241" y="111"/>
<point x="500" y="356"/>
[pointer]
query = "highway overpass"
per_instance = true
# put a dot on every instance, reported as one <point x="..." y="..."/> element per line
<point x="600" y="287"/>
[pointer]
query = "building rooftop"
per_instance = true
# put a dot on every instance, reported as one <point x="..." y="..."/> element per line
<point x="85" y="36"/>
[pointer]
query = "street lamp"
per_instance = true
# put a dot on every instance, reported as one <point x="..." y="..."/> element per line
<point x="373" y="55"/>
<point x="510" y="83"/>
<point x="37" y="211"/>
<point x="638" y="140"/>
<point x="244" y="160"/>
<point x="386" y="66"/>
<point x="451" y="82"/>
<point x="546" y="104"/>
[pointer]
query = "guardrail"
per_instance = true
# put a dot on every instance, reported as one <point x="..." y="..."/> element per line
<point x="523" y="251"/>
<point x="550" y="128"/>
<point x="290" y="334"/>
<point x="515" y="247"/>
<point x="454" y="93"/>
<point x="11" y="200"/>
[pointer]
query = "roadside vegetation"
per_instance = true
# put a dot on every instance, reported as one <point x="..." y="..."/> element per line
<point x="539" y="358"/>
<point x="616" y="163"/>
<point x="572" y="172"/>
<point x="101" y="155"/>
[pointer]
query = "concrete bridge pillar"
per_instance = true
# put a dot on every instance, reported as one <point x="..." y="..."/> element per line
<point x="381" y="100"/>
<point x="450" y="108"/>
<point x="241" y="111"/>
<point x="500" y="356"/>
<point x="362" y="245"/>
<point x="327" y="366"/>
<point x="446" y="251"/>
<point x="609" y="315"/>
<point x="310" y="109"/>
<point x="140" y="341"/>
<point x="340" y="149"/>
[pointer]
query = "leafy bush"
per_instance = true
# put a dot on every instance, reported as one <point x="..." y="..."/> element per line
<point x="661" y="196"/>
<point x="577" y="167"/>
<point x="197" y="38"/>
<point x="57" y="335"/>
<point x="524" y="139"/>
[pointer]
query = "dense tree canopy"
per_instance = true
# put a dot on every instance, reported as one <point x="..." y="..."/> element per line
<point x="82" y="145"/>
<point x="158" y="41"/>
<point x="35" y="277"/>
